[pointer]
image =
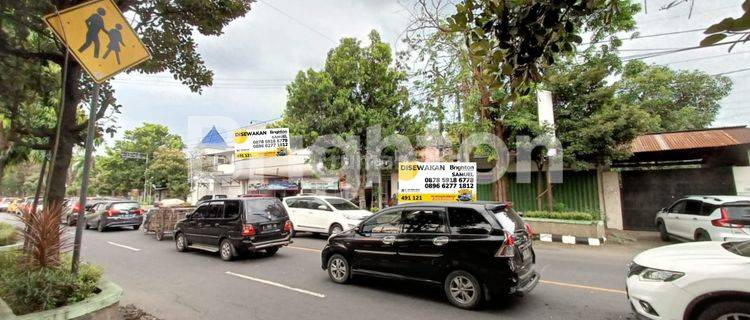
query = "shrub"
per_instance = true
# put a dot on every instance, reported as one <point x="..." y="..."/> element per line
<point x="571" y="215"/>
<point x="29" y="289"/>
<point x="374" y="209"/>
<point x="8" y="234"/>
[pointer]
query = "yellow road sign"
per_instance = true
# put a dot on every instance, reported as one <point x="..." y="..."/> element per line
<point x="99" y="37"/>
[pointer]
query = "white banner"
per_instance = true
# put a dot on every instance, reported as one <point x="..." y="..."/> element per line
<point x="437" y="181"/>
<point x="263" y="143"/>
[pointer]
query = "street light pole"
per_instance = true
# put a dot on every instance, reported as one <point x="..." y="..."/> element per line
<point x="85" y="179"/>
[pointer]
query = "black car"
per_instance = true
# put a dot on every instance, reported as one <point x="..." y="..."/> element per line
<point x="235" y="226"/>
<point x="73" y="207"/>
<point x="108" y="214"/>
<point x="473" y="250"/>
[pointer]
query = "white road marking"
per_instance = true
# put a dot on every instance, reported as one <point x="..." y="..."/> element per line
<point x="275" y="284"/>
<point x="123" y="246"/>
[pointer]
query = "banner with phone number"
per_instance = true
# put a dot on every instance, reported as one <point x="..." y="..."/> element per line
<point x="263" y="143"/>
<point x="437" y="181"/>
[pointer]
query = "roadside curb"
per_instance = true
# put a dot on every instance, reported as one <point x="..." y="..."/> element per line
<point x="546" y="237"/>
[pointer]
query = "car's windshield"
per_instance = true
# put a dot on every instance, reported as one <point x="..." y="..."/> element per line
<point x="264" y="208"/>
<point x="740" y="248"/>
<point x="738" y="212"/>
<point x="341" y="204"/>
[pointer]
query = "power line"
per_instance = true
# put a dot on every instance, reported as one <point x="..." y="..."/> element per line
<point x="731" y="72"/>
<point x="658" y="54"/>
<point x="705" y="58"/>
<point x="298" y="21"/>
<point x="649" y="36"/>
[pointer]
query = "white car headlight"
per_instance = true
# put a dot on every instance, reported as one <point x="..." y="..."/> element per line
<point x="651" y="274"/>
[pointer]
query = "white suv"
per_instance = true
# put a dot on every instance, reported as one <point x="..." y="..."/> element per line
<point x="718" y="218"/>
<point x="323" y="214"/>
<point x="698" y="280"/>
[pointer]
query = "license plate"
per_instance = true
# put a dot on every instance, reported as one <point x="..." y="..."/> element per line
<point x="527" y="255"/>
<point x="268" y="227"/>
<point x="126" y="216"/>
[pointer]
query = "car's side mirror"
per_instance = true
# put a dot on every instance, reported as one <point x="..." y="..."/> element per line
<point x="322" y="207"/>
<point x="663" y="209"/>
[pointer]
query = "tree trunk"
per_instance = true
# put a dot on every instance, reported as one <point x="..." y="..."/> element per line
<point x="59" y="169"/>
<point x="500" y="185"/>
<point x="539" y="184"/>
<point x="550" y="200"/>
<point x="361" y="192"/>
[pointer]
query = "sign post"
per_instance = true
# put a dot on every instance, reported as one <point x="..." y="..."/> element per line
<point x="99" y="37"/>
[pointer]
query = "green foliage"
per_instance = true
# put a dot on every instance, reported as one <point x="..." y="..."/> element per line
<point x="117" y="175"/>
<point x="675" y="99"/>
<point x="514" y="42"/>
<point x="729" y="27"/>
<point x="374" y="209"/>
<point x="570" y="215"/>
<point x="8" y="234"/>
<point x="26" y="289"/>
<point x="169" y="169"/>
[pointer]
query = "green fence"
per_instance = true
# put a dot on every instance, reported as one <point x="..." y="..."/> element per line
<point x="578" y="192"/>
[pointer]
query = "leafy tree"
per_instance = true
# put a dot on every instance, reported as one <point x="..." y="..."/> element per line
<point x="729" y="27"/>
<point x="677" y="99"/>
<point x="117" y="175"/>
<point x="357" y="88"/>
<point x="168" y="29"/>
<point x="169" y="169"/>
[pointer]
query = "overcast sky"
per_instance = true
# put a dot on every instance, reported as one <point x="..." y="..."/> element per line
<point x="261" y="53"/>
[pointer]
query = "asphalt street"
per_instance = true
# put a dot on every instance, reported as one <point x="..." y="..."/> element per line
<point x="578" y="282"/>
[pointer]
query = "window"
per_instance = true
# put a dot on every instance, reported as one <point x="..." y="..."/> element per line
<point x="467" y="221"/>
<point x="707" y="209"/>
<point x="692" y="207"/>
<point x="203" y="198"/>
<point x="217" y="210"/>
<point x="738" y="212"/>
<point x="424" y="221"/>
<point x="202" y="211"/>
<point x="301" y="203"/>
<point x="341" y="204"/>
<point x="387" y="222"/>
<point x="317" y="204"/>
<point x="678" y="207"/>
<point x="263" y="209"/>
<point x="231" y="209"/>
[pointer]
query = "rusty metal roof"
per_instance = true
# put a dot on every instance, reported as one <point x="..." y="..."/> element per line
<point x="695" y="139"/>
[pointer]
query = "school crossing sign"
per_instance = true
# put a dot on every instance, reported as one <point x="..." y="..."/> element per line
<point x="99" y="37"/>
<point x="437" y="181"/>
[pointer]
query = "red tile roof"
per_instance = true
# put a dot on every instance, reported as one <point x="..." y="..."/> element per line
<point x="707" y="138"/>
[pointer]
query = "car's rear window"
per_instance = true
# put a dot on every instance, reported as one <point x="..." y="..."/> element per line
<point x="125" y="205"/>
<point x="507" y="217"/>
<point x="738" y="212"/>
<point x="262" y="209"/>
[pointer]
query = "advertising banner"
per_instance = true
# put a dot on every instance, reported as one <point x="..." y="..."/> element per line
<point x="437" y="181"/>
<point x="263" y="143"/>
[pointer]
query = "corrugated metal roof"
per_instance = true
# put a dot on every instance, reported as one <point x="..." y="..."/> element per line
<point x="708" y="138"/>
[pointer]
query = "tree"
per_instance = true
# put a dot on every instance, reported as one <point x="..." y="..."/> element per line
<point x="169" y="169"/>
<point x="357" y="88"/>
<point x="729" y="27"/>
<point x="677" y="99"/>
<point x="166" y="27"/>
<point x="117" y="175"/>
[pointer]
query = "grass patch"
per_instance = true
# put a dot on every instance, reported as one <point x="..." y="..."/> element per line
<point x="8" y="234"/>
<point x="570" y="215"/>
<point x="28" y="289"/>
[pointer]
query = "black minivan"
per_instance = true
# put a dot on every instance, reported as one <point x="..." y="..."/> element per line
<point x="473" y="250"/>
<point x="235" y="226"/>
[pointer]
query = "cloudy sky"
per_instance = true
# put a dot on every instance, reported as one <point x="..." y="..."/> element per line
<point x="261" y="53"/>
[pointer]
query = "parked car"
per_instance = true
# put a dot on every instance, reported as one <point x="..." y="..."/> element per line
<point x="700" y="280"/>
<point x="108" y="214"/>
<point x="13" y="206"/>
<point x="474" y="251"/>
<point x="235" y="226"/>
<point x="720" y="218"/>
<point x="24" y="206"/>
<point x="4" y="203"/>
<point x="323" y="214"/>
<point x="73" y="207"/>
<point x="211" y="197"/>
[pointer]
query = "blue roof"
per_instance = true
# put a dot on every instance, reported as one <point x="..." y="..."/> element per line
<point x="213" y="139"/>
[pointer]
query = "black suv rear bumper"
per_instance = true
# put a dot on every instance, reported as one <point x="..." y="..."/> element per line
<point x="526" y="285"/>
<point x="248" y="245"/>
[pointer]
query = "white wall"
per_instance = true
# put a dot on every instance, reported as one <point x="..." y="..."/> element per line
<point x="742" y="180"/>
<point x="609" y="196"/>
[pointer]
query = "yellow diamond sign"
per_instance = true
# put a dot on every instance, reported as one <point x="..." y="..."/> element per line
<point x="99" y="37"/>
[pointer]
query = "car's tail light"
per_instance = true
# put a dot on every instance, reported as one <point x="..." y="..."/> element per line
<point x="138" y="211"/>
<point x="288" y="226"/>
<point x="724" y="222"/>
<point x="112" y="212"/>
<point x="77" y="207"/>
<point x="248" y="230"/>
<point x="529" y="230"/>
<point x="508" y="249"/>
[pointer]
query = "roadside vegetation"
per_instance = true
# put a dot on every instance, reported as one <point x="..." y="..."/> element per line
<point x="8" y="234"/>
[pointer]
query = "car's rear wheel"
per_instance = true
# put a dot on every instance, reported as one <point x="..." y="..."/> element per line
<point x="272" y="251"/>
<point x="99" y="226"/>
<point x="180" y="242"/>
<point x="226" y="250"/>
<point x="702" y="235"/>
<point x="335" y="229"/>
<point x="463" y="289"/>
<point x="136" y="227"/>
<point x="69" y="220"/>
<point x="730" y="310"/>
<point x="662" y="231"/>
<point x="338" y="269"/>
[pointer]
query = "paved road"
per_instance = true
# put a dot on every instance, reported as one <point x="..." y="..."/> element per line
<point x="578" y="283"/>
